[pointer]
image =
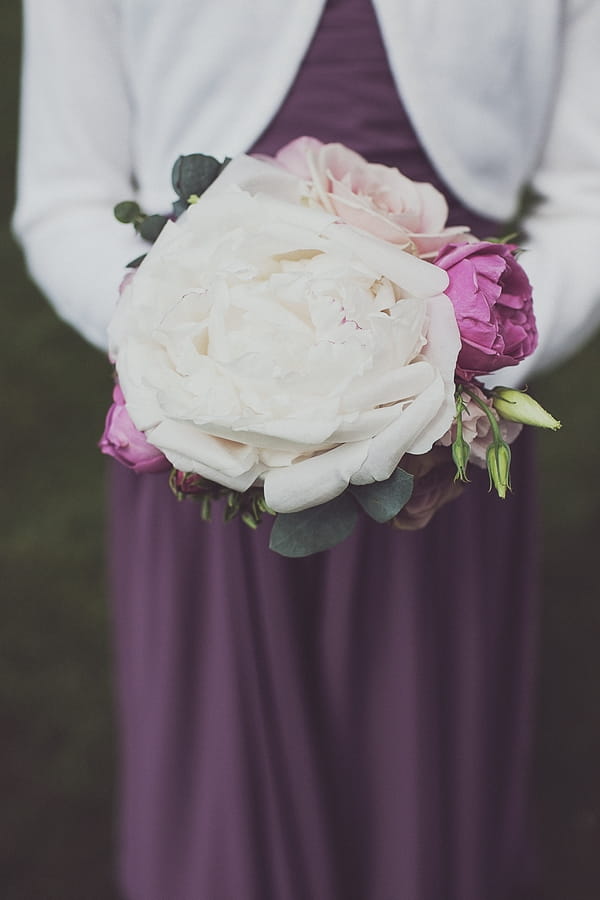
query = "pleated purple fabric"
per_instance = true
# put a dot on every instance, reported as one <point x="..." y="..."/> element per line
<point x="352" y="726"/>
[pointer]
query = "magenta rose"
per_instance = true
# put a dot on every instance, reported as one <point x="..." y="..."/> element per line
<point x="123" y="441"/>
<point x="491" y="295"/>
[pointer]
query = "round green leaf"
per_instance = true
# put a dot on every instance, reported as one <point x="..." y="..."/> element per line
<point x="179" y="207"/>
<point x="151" y="227"/>
<point x="312" y="530"/>
<point x="194" y="173"/>
<point x="383" y="500"/>
<point x="127" y="212"/>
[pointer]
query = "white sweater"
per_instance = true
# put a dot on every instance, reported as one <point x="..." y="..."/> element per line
<point x="114" y="90"/>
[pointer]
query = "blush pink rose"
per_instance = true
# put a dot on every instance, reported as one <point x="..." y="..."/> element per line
<point x="491" y="295"/>
<point x="377" y="198"/>
<point x="123" y="441"/>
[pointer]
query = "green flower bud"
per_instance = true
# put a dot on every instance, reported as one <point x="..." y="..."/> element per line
<point x="250" y="520"/>
<point x="460" y="455"/>
<point x="460" y="448"/>
<point x="517" y="406"/>
<point x="205" y="508"/>
<point x="498" y="465"/>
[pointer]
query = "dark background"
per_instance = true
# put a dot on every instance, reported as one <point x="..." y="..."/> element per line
<point x="56" y="729"/>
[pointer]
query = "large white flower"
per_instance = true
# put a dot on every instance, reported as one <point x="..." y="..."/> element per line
<point x="264" y="341"/>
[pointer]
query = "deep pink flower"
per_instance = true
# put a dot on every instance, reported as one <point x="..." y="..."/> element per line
<point x="123" y="441"/>
<point x="491" y="295"/>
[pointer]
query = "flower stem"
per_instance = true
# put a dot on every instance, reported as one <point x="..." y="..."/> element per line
<point x="498" y="454"/>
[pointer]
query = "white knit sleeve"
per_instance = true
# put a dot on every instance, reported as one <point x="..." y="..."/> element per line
<point x="74" y="159"/>
<point x="563" y="229"/>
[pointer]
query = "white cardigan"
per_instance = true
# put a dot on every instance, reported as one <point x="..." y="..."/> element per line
<point x="115" y="90"/>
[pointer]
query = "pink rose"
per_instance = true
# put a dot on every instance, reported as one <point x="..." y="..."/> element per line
<point x="477" y="428"/>
<point x="491" y="295"/>
<point x="376" y="198"/>
<point x="125" y="443"/>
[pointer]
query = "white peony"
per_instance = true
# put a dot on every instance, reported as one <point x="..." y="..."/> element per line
<point x="262" y="341"/>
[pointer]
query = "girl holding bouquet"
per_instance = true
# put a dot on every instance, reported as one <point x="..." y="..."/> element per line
<point x="355" y="725"/>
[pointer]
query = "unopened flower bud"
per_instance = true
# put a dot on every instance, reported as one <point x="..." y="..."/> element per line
<point x="250" y="520"/>
<point x="187" y="483"/>
<point x="517" y="406"/>
<point x="461" y="450"/>
<point x="498" y="465"/>
<point x="460" y="454"/>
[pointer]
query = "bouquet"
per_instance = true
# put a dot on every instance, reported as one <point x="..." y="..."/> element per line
<point x="305" y="339"/>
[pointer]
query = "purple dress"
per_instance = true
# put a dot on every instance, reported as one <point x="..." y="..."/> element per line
<point x="351" y="726"/>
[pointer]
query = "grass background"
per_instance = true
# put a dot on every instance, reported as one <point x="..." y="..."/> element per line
<point x="56" y="729"/>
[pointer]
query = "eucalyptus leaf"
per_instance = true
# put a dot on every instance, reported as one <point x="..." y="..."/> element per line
<point x="127" y="212"/>
<point x="193" y="174"/>
<point x="179" y="207"/>
<point x="150" y="227"/>
<point x="136" y="263"/>
<point x="312" y="530"/>
<point x="382" y="500"/>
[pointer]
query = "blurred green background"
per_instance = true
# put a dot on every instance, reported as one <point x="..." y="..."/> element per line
<point x="56" y="729"/>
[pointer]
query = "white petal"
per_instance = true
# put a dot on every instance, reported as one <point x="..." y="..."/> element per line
<point x="191" y="450"/>
<point x="256" y="176"/>
<point x="313" y="481"/>
<point x="415" y="276"/>
<point x="443" y="337"/>
<point x="387" y="448"/>
<point x="391" y="387"/>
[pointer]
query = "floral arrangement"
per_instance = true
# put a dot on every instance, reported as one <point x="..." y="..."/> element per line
<point x="305" y="339"/>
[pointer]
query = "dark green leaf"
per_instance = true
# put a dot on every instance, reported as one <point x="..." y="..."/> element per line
<point x="194" y="173"/>
<point x="179" y="207"/>
<point x="383" y="500"/>
<point x="312" y="530"/>
<point x="135" y="263"/>
<point x="151" y="227"/>
<point x="127" y="212"/>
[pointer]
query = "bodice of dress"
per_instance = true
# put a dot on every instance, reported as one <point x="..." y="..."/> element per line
<point x="320" y="728"/>
<point x="345" y="92"/>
